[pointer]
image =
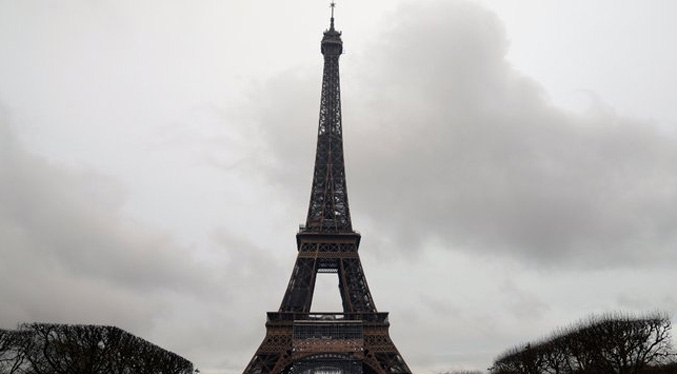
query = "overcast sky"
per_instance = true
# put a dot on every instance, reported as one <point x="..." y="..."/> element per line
<point x="511" y="166"/>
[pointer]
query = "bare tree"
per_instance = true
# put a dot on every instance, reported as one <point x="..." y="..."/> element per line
<point x="40" y="348"/>
<point x="622" y="344"/>
<point x="527" y="359"/>
<point x="611" y="344"/>
<point x="11" y="355"/>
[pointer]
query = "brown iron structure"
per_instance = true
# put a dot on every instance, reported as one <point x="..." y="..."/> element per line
<point x="356" y="340"/>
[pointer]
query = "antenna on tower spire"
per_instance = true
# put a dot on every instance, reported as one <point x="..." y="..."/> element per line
<point x="332" y="6"/>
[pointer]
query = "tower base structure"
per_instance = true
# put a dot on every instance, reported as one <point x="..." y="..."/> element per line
<point x="327" y="343"/>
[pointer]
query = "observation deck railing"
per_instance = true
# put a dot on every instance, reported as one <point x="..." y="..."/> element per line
<point x="290" y="317"/>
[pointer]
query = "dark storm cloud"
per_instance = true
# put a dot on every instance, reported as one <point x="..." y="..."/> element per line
<point x="69" y="256"/>
<point x="447" y="143"/>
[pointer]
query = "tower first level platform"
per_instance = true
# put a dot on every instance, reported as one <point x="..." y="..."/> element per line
<point x="348" y="343"/>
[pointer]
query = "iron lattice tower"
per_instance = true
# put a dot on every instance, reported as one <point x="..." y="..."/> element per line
<point x="356" y="340"/>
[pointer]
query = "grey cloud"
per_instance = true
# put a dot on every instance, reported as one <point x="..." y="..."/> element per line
<point x="448" y="143"/>
<point x="69" y="255"/>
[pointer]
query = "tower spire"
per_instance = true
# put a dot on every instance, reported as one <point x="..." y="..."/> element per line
<point x="328" y="210"/>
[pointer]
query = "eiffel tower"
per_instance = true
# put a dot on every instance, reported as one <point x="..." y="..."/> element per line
<point x="356" y="340"/>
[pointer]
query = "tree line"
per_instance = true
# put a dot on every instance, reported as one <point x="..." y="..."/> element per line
<point x="41" y="348"/>
<point x="610" y="344"/>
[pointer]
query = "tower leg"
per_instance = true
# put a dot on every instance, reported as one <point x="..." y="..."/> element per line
<point x="273" y="353"/>
<point x="381" y="355"/>
<point x="299" y="295"/>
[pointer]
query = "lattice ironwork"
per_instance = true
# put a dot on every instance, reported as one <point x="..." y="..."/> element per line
<point x="328" y="209"/>
<point x="299" y="295"/>
<point x="327" y="364"/>
<point x="355" y="341"/>
<point x="328" y="329"/>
